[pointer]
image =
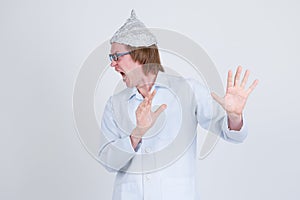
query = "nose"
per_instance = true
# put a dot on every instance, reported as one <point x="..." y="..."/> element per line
<point x="113" y="63"/>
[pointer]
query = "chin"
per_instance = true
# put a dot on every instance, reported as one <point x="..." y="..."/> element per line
<point x="129" y="85"/>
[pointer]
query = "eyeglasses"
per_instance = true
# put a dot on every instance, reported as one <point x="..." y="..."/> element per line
<point x="116" y="56"/>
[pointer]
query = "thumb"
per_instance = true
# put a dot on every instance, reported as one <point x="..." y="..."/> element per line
<point x="217" y="98"/>
<point x="160" y="110"/>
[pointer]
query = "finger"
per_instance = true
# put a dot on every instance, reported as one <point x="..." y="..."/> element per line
<point x="144" y="102"/>
<point x="229" y="79"/>
<point x="159" y="110"/>
<point x="217" y="98"/>
<point x="237" y="75"/>
<point x="147" y="101"/>
<point x="245" y="79"/>
<point x="252" y="87"/>
<point x="152" y="96"/>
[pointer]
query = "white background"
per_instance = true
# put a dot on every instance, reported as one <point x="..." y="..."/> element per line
<point x="44" y="43"/>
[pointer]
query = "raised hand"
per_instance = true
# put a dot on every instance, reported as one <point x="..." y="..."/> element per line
<point x="236" y="95"/>
<point x="145" y="118"/>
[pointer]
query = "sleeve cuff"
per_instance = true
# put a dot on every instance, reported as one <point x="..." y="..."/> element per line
<point x="233" y="135"/>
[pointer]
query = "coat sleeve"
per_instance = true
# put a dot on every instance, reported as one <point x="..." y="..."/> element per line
<point x="211" y="116"/>
<point x="116" y="151"/>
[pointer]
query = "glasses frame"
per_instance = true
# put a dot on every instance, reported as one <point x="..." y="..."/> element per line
<point x="116" y="56"/>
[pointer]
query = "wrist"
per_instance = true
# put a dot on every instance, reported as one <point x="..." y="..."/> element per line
<point x="235" y="117"/>
<point x="134" y="141"/>
<point x="235" y="121"/>
<point x="136" y="136"/>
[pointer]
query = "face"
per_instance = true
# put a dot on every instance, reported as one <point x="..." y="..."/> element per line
<point x="128" y="69"/>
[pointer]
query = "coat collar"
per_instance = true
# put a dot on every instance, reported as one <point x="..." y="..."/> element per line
<point x="160" y="82"/>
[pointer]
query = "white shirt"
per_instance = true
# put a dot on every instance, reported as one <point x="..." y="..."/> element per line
<point x="159" y="168"/>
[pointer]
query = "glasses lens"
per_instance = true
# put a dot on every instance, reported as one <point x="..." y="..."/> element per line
<point x="115" y="57"/>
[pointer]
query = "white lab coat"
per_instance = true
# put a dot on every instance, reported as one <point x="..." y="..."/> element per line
<point x="163" y="167"/>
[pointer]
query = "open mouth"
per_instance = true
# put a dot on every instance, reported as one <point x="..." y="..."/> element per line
<point x="123" y="75"/>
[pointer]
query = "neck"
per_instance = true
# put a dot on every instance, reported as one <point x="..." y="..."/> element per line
<point x="146" y="84"/>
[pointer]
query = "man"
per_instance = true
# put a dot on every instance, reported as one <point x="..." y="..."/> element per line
<point x="153" y="151"/>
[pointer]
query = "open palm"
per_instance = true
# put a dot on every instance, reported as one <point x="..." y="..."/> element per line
<point x="236" y="95"/>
